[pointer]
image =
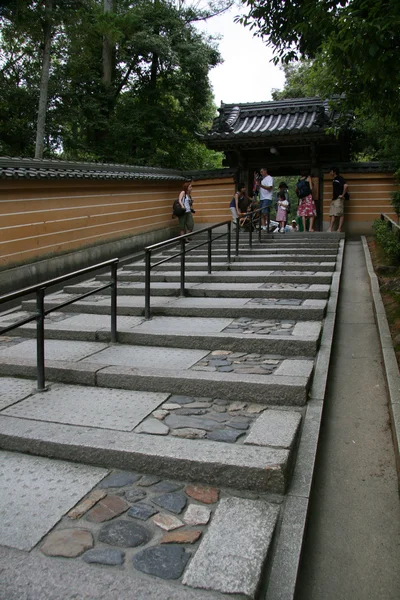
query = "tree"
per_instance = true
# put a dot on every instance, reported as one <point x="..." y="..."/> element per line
<point x="358" y="39"/>
<point x="127" y="81"/>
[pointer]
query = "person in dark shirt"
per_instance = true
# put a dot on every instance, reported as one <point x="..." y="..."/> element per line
<point x="337" y="205"/>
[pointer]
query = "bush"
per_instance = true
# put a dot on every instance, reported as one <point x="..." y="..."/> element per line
<point x="396" y="202"/>
<point x="388" y="239"/>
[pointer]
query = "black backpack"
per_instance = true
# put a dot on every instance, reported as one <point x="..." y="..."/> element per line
<point x="177" y="209"/>
<point x="303" y="188"/>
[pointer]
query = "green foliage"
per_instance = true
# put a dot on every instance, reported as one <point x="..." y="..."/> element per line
<point x="357" y="39"/>
<point x="152" y="110"/>
<point x="388" y="239"/>
<point x="396" y="202"/>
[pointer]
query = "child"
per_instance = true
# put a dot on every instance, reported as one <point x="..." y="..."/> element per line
<point x="281" y="214"/>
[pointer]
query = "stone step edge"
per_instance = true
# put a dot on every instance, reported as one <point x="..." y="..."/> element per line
<point x="308" y="313"/>
<point x="274" y="390"/>
<point x="290" y="345"/>
<point x="231" y="277"/>
<point x="215" y="463"/>
<point x="192" y="292"/>
<point x="242" y="266"/>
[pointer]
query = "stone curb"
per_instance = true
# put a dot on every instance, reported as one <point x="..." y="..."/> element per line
<point x="257" y="468"/>
<point x="261" y="344"/>
<point x="291" y="529"/>
<point x="306" y="313"/>
<point x="274" y="390"/>
<point x="391" y="368"/>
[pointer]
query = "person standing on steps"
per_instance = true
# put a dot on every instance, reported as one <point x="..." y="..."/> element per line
<point x="186" y="223"/>
<point x="239" y="203"/>
<point x="306" y="206"/>
<point x="336" y="208"/>
<point x="266" y="187"/>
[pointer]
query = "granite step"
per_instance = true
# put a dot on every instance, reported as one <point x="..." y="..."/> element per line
<point x="211" y="290"/>
<point x="288" y="338"/>
<point x="235" y="265"/>
<point x="218" y="257"/>
<point x="174" y="544"/>
<point x="247" y="447"/>
<point x="152" y="368"/>
<point x="253" y="276"/>
<point x="262" y="308"/>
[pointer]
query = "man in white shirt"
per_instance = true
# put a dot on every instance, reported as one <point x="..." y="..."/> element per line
<point x="266" y="187"/>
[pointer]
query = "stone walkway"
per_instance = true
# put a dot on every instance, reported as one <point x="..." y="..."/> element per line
<point x="193" y="438"/>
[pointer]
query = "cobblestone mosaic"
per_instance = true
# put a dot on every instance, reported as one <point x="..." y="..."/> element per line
<point x="134" y="521"/>
<point x="278" y="301"/>
<point x="225" y="361"/>
<point x="261" y="326"/>
<point x="202" y="418"/>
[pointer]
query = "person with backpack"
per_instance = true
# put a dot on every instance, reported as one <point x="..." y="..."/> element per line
<point x="306" y="206"/>
<point x="185" y="200"/>
<point x="339" y="194"/>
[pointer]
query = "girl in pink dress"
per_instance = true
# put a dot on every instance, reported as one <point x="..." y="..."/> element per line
<point x="281" y="213"/>
<point x="306" y="206"/>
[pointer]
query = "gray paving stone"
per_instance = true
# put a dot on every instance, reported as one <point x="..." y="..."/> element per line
<point x="142" y="511"/>
<point x="134" y="495"/>
<point x="167" y="562"/>
<point x="174" y="502"/>
<point x="166" y="486"/>
<point x="29" y="481"/>
<point x="13" y="389"/>
<point x="152" y="426"/>
<point x="230" y="559"/>
<point x="187" y="399"/>
<point x="116" y="480"/>
<point x="190" y="325"/>
<point x="178" y="421"/>
<point x="124" y="534"/>
<point x="89" y="406"/>
<point x="224" y="435"/>
<point x="275" y="428"/>
<point x="146" y="357"/>
<point x="149" y="480"/>
<point x="54" y="350"/>
<point x="104" y="556"/>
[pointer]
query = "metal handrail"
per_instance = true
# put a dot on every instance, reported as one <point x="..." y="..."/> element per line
<point x="40" y="289"/>
<point x="182" y="241"/>
<point x="251" y="214"/>
<point x="390" y="222"/>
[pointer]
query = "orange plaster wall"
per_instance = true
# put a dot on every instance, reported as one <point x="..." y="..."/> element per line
<point x="370" y="195"/>
<point x="47" y="218"/>
<point x="211" y="198"/>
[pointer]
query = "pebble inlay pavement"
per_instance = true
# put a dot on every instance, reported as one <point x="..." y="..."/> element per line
<point x="142" y="522"/>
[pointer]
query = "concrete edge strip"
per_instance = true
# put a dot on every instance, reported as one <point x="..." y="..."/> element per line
<point x="391" y="369"/>
<point x="289" y="541"/>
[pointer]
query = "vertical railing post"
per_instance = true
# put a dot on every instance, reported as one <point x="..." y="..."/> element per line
<point x="209" y="250"/>
<point x="259" y="227"/>
<point x="147" y="262"/>
<point x="251" y="229"/>
<point x="183" y="242"/>
<point x="237" y="237"/>
<point x="114" y="268"/>
<point x="40" y="339"/>
<point x="229" y="241"/>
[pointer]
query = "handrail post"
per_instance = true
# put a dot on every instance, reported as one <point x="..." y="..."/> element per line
<point x="229" y="241"/>
<point x="251" y="230"/>
<point x="237" y="237"/>
<point x="147" y="260"/>
<point x="209" y="251"/>
<point x="114" y="268"/>
<point x="183" y="242"/>
<point x="259" y="227"/>
<point x="40" y="339"/>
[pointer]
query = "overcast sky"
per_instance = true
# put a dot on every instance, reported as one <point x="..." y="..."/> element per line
<point x="246" y="75"/>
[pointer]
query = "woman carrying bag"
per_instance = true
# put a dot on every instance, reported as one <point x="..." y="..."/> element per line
<point x="186" y="223"/>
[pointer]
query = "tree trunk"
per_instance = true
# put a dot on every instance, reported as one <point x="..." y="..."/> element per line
<point x="44" y="82"/>
<point x="108" y="6"/>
